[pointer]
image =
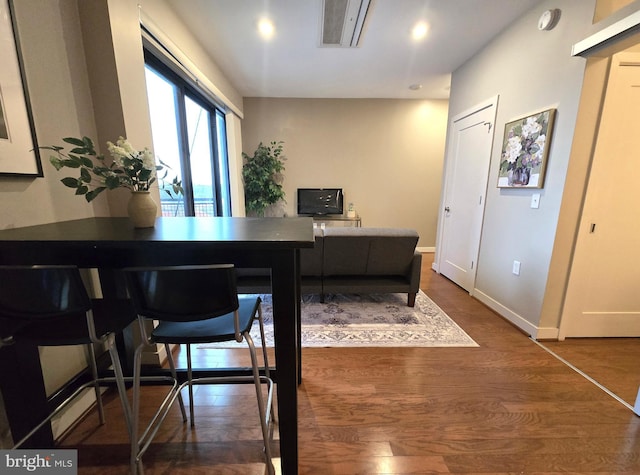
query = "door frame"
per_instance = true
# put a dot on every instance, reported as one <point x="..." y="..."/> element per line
<point x="446" y="185"/>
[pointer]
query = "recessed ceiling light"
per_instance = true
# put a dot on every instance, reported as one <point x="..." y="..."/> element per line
<point x="415" y="87"/>
<point x="419" y="30"/>
<point x="266" y="28"/>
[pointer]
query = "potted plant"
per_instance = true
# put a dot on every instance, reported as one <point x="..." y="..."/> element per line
<point x="128" y="168"/>
<point x="262" y="175"/>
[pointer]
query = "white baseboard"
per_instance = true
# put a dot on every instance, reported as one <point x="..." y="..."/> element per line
<point x="537" y="333"/>
<point x="426" y="249"/>
<point x="155" y="357"/>
<point x="61" y="423"/>
<point x="547" y="333"/>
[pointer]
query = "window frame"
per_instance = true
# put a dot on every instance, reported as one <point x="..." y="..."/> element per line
<point x="186" y="89"/>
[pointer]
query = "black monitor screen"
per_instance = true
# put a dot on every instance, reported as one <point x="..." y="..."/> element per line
<point x="319" y="201"/>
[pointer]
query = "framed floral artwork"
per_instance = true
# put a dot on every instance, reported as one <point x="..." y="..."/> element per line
<point x="525" y="148"/>
<point x="19" y="153"/>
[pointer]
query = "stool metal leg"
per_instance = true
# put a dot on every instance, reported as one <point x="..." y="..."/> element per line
<point x="264" y="423"/>
<point x="174" y="374"/>
<point x="140" y="444"/>
<point x="96" y="385"/>
<point x="265" y="358"/>
<point x="120" y="381"/>
<point x="190" y="385"/>
<point x="136" y="462"/>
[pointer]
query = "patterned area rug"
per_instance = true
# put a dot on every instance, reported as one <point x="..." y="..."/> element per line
<point x="367" y="321"/>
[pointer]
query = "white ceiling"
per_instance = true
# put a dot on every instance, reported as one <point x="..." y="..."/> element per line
<point x="292" y="64"/>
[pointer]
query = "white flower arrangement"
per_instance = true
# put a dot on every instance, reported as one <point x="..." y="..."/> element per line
<point x="129" y="168"/>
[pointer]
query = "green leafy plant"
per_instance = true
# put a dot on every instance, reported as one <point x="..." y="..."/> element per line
<point x="128" y="167"/>
<point x="172" y="187"/>
<point x="262" y="175"/>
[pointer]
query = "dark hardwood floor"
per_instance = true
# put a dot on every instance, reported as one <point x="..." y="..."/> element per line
<point x="612" y="362"/>
<point x="506" y="407"/>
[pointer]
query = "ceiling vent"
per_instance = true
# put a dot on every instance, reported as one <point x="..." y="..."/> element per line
<point x="343" y="22"/>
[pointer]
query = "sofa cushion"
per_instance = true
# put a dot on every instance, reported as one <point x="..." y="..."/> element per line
<point x="311" y="258"/>
<point x="391" y="256"/>
<point x="345" y="252"/>
<point x="368" y="251"/>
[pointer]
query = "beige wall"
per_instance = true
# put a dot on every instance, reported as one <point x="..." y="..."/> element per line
<point x="385" y="154"/>
<point x="60" y="98"/>
<point x="604" y="8"/>
<point x="115" y="65"/>
<point x="62" y="106"/>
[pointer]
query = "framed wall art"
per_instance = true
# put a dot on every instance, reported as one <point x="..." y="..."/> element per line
<point x="19" y="154"/>
<point x="525" y="148"/>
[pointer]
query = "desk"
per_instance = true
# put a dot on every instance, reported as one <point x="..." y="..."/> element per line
<point x="355" y="221"/>
<point x="110" y="244"/>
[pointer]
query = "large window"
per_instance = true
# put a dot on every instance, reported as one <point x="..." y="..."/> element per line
<point x="189" y="138"/>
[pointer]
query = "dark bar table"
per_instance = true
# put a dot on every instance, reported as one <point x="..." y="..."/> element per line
<point x="110" y="244"/>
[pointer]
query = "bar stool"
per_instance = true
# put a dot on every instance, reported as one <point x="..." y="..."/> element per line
<point x="194" y="304"/>
<point x="49" y="306"/>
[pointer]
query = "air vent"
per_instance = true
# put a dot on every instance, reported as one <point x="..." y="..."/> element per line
<point x="343" y="22"/>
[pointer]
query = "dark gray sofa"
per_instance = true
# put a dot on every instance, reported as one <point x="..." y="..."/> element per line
<point x="352" y="260"/>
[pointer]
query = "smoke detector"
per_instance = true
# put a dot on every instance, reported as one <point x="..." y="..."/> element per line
<point x="549" y="19"/>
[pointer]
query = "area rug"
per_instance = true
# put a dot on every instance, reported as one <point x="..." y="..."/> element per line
<point x="371" y="320"/>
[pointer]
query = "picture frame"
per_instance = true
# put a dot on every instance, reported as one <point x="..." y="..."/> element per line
<point x="525" y="150"/>
<point x="19" y="153"/>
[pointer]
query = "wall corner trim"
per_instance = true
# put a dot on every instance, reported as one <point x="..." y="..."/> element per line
<point x="607" y="35"/>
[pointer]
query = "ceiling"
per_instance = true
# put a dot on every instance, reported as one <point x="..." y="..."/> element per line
<point x="384" y="65"/>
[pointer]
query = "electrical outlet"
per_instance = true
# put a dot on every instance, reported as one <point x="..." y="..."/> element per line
<point x="516" y="267"/>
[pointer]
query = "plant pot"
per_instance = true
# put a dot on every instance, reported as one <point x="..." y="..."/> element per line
<point x="142" y="209"/>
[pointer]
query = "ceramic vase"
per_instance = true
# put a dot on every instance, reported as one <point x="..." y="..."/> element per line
<point x="142" y="209"/>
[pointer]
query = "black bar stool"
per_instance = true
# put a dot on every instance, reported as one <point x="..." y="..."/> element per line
<point x="49" y="306"/>
<point x="194" y="304"/>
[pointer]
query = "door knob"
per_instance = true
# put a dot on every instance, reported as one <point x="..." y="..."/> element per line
<point x="447" y="209"/>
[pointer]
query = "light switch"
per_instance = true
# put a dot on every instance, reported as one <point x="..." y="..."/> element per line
<point x="535" y="200"/>
<point x="516" y="268"/>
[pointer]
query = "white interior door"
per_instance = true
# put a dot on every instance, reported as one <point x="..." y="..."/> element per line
<point x="468" y="158"/>
<point x="602" y="295"/>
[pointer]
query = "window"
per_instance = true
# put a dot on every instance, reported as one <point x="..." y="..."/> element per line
<point x="189" y="139"/>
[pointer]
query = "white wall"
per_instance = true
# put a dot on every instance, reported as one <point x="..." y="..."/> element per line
<point x="531" y="71"/>
<point x="385" y="154"/>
